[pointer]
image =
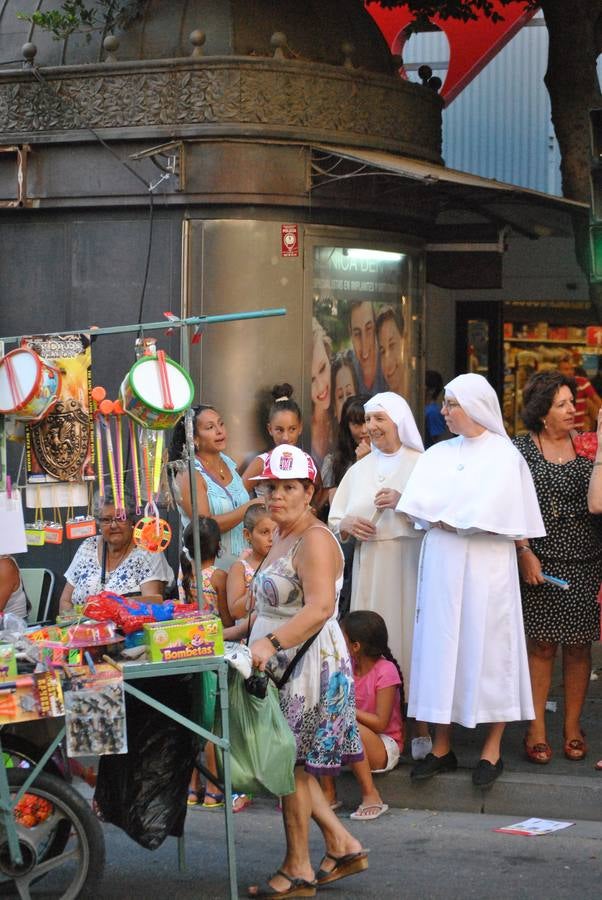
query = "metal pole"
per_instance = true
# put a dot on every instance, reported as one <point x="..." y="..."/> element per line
<point x="193" y="321"/>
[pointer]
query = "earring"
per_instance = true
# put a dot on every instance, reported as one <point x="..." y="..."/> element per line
<point x="544" y="424"/>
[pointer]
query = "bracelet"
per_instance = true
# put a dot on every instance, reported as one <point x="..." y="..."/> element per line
<point x="598" y="463"/>
<point x="274" y="641"/>
<point x="522" y="548"/>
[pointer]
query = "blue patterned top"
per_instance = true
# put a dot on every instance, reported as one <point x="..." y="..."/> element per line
<point x="223" y="498"/>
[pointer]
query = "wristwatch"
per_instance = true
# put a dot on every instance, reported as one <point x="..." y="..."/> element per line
<point x="274" y="641"/>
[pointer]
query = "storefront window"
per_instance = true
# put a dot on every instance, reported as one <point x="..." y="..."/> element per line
<point x="554" y="335"/>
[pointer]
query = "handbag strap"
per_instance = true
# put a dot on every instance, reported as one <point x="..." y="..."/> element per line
<point x="280" y="682"/>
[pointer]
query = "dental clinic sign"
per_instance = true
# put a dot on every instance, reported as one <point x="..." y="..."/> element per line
<point x="472" y="44"/>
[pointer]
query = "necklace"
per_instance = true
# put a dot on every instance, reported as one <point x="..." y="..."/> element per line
<point x="115" y="565"/>
<point x="560" y="457"/>
<point x="220" y="473"/>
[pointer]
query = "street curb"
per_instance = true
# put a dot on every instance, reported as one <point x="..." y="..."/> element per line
<point x="513" y="794"/>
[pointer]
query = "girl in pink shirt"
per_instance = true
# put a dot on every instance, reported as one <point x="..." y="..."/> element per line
<point x="378" y="688"/>
<point x="379" y="703"/>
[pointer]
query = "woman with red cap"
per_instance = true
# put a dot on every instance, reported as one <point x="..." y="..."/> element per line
<point x="296" y="592"/>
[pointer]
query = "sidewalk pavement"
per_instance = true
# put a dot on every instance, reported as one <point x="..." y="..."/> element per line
<point x="560" y="789"/>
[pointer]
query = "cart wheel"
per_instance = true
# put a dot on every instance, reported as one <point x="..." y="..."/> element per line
<point x="61" y="841"/>
<point x="19" y="753"/>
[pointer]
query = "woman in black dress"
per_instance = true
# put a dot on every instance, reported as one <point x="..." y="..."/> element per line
<point x="571" y="551"/>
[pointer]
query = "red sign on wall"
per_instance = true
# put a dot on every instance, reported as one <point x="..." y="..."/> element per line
<point x="472" y="44"/>
<point x="289" y="240"/>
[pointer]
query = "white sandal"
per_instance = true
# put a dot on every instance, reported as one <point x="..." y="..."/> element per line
<point x="369" y="811"/>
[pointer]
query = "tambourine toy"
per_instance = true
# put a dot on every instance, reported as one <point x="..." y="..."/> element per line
<point x="152" y="534"/>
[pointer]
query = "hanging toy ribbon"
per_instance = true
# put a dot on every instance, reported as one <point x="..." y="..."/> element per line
<point x="135" y="466"/>
<point x="118" y="412"/>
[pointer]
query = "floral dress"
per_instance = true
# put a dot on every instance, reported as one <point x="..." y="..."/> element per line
<point x="318" y="700"/>
<point x="571" y="549"/>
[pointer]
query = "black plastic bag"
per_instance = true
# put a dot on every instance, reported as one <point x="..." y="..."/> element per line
<point x="144" y="792"/>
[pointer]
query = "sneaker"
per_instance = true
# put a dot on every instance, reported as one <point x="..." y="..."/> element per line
<point x="421" y="746"/>
<point x="434" y="765"/>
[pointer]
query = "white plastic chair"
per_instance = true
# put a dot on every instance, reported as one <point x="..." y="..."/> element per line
<point x="39" y="585"/>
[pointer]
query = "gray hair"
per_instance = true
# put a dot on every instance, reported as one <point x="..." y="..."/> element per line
<point x="99" y="503"/>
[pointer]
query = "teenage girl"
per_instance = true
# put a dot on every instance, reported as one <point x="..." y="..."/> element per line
<point x="284" y="427"/>
<point x="214" y="602"/>
<point x="258" y="532"/>
<point x="379" y="703"/>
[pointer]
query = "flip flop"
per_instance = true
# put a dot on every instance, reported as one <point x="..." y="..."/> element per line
<point x="194" y="797"/>
<point x="336" y="804"/>
<point x="368" y="812"/>
<point x="243" y="801"/>
<point x="350" y="864"/>
<point x="217" y="801"/>
<point x="298" y="887"/>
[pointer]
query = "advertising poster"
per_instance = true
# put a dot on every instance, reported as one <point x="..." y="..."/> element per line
<point x="60" y="446"/>
<point x="358" y="335"/>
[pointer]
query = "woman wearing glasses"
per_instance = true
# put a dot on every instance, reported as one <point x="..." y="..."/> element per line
<point x="474" y="497"/>
<point x="111" y="561"/>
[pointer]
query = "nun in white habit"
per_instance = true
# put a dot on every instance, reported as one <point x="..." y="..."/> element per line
<point x="385" y="562"/>
<point x="474" y="497"/>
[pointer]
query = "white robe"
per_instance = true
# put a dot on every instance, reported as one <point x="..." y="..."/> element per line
<point x="385" y="568"/>
<point x="469" y="658"/>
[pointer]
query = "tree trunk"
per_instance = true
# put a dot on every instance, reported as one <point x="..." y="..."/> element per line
<point x="574" y="30"/>
<point x="572" y="83"/>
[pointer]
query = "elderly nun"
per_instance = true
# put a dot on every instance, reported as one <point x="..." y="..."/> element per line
<point x="388" y="547"/>
<point x="474" y="497"/>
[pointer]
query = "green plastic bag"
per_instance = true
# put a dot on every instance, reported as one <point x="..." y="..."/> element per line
<point x="262" y="746"/>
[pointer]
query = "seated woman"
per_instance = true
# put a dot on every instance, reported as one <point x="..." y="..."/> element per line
<point x="111" y="560"/>
<point x="12" y="594"/>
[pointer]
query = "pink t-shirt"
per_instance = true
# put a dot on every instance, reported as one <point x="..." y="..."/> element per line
<point x="382" y="675"/>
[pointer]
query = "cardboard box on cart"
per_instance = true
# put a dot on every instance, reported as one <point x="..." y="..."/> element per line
<point x="198" y="636"/>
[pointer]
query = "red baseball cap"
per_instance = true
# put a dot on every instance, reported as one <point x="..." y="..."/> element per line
<point x="286" y="461"/>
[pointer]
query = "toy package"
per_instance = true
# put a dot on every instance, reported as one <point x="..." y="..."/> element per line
<point x="198" y="636"/>
<point x="94" y="711"/>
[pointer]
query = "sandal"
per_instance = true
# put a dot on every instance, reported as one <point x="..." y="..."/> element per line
<point x="538" y="753"/>
<point x="298" y="887"/>
<point x="194" y="797"/>
<point x="369" y="811"/>
<point x="350" y="864"/>
<point x="576" y="749"/>
<point x="216" y="800"/>
<point x="240" y="802"/>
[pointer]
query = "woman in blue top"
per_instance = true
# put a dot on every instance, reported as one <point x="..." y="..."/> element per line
<point x="220" y="491"/>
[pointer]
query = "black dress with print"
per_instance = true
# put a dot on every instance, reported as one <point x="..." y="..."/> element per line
<point x="572" y="550"/>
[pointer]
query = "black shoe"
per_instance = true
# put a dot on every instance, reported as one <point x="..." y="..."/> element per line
<point x="485" y="773"/>
<point x="433" y="765"/>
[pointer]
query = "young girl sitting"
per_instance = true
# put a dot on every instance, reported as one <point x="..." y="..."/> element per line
<point x="214" y="602"/>
<point x="258" y="532"/>
<point x="379" y="703"/>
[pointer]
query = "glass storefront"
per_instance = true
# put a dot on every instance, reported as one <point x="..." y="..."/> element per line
<point x="549" y="335"/>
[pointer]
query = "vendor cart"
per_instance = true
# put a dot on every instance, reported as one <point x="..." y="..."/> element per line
<point x="48" y="831"/>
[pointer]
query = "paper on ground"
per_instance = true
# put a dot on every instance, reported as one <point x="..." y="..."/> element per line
<point x="534" y="827"/>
